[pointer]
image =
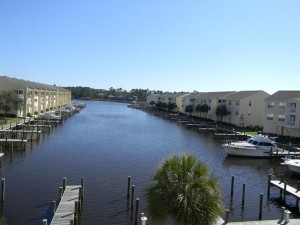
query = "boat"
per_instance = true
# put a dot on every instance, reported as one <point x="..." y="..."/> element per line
<point x="292" y="162"/>
<point x="261" y="146"/>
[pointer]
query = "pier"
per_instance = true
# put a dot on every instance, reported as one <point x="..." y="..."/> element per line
<point x="67" y="212"/>
<point x="285" y="189"/>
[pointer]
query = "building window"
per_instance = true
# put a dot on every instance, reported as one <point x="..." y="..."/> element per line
<point x="270" y="116"/>
<point x="229" y="102"/>
<point x="237" y="103"/>
<point x="271" y="105"/>
<point x="236" y="112"/>
<point x="282" y="105"/>
<point x="249" y="103"/>
<point x="281" y="118"/>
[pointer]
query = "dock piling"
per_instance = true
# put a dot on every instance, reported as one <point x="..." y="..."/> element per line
<point x="53" y="207"/>
<point x="3" y="190"/>
<point x="282" y="213"/>
<point x="128" y="186"/>
<point x="227" y="216"/>
<point x="260" y="205"/>
<point x="64" y="183"/>
<point x="243" y="199"/>
<point x="136" y="210"/>
<point x="44" y="222"/>
<point x="132" y="196"/>
<point x="232" y="185"/>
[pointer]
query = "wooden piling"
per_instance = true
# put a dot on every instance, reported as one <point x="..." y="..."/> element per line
<point x="269" y="184"/>
<point x="44" y="222"/>
<point x="53" y="207"/>
<point x="297" y="199"/>
<point x="136" y="210"/>
<point x="64" y="183"/>
<point x="260" y="205"/>
<point x="132" y="196"/>
<point x="128" y="186"/>
<point x="232" y="185"/>
<point x="243" y="198"/>
<point x="284" y="193"/>
<point x="61" y="191"/>
<point x="3" y="190"/>
<point x="227" y="216"/>
<point x="282" y="213"/>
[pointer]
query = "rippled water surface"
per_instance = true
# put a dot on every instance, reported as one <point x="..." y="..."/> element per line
<point x="107" y="142"/>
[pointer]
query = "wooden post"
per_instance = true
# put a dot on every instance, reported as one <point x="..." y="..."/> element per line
<point x="284" y="193"/>
<point x="132" y="196"/>
<point x="64" y="183"/>
<point x="53" y="207"/>
<point x="3" y="190"/>
<point x="232" y="185"/>
<point x="227" y="216"/>
<point x="243" y="200"/>
<point x="44" y="222"/>
<point x="76" y="208"/>
<point x="269" y="184"/>
<point x="136" y="210"/>
<point x="282" y="213"/>
<point x="61" y="191"/>
<point x="128" y="185"/>
<point x="297" y="199"/>
<point x="260" y="205"/>
<point x="82" y="187"/>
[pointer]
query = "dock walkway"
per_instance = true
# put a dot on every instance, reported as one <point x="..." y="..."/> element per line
<point x="267" y="222"/>
<point x="66" y="210"/>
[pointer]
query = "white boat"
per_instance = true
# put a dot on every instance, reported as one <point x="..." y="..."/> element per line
<point x="256" y="146"/>
<point x="49" y="116"/>
<point x="292" y="162"/>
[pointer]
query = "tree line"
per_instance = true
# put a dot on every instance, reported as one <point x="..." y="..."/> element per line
<point x="87" y="93"/>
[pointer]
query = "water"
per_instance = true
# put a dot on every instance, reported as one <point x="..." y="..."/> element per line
<point x="107" y="142"/>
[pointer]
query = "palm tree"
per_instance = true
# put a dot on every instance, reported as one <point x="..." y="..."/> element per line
<point x="182" y="190"/>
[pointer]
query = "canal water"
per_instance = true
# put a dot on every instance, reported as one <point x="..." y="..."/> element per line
<point x="107" y="142"/>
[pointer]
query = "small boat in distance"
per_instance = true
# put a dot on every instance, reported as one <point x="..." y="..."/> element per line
<point x="292" y="162"/>
<point x="256" y="146"/>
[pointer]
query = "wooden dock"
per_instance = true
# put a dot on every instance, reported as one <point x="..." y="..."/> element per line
<point x="71" y="199"/>
<point x="266" y="222"/>
<point x="69" y="205"/>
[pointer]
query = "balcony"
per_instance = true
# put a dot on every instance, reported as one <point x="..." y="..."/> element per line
<point x="290" y="124"/>
<point x="290" y="110"/>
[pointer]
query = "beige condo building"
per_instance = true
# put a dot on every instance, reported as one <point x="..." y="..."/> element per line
<point x="282" y="113"/>
<point x="38" y="98"/>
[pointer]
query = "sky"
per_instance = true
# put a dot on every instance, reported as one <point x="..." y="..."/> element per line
<point x="167" y="45"/>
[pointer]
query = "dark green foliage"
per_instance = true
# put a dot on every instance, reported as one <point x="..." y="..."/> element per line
<point x="222" y="111"/>
<point x="172" y="106"/>
<point x="9" y="102"/>
<point x="182" y="190"/>
<point x="102" y="94"/>
<point x="189" y="109"/>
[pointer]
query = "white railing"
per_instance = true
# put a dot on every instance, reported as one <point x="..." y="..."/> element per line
<point x="290" y="110"/>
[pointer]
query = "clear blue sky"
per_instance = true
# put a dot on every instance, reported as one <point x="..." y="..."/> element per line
<point x="168" y="45"/>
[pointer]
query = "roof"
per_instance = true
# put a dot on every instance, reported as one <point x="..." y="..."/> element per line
<point x="35" y="85"/>
<point x="173" y="95"/>
<point x="283" y="95"/>
<point x="243" y="94"/>
<point x="217" y="95"/>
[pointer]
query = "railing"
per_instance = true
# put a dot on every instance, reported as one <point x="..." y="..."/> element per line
<point x="290" y="110"/>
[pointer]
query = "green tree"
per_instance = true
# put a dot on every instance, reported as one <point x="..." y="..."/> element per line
<point x="9" y="101"/>
<point x="202" y="108"/>
<point x="183" y="190"/>
<point x="172" y="106"/>
<point x="222" y="111"/>
<point x="152" y="103"/>
<point x="189" y="109"/>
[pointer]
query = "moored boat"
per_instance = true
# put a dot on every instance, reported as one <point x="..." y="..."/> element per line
<point x="255" y="146"/>
<point x="292" y="162"/>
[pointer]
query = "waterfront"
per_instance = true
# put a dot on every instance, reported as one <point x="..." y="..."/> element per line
<point x="105" y="143"/>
